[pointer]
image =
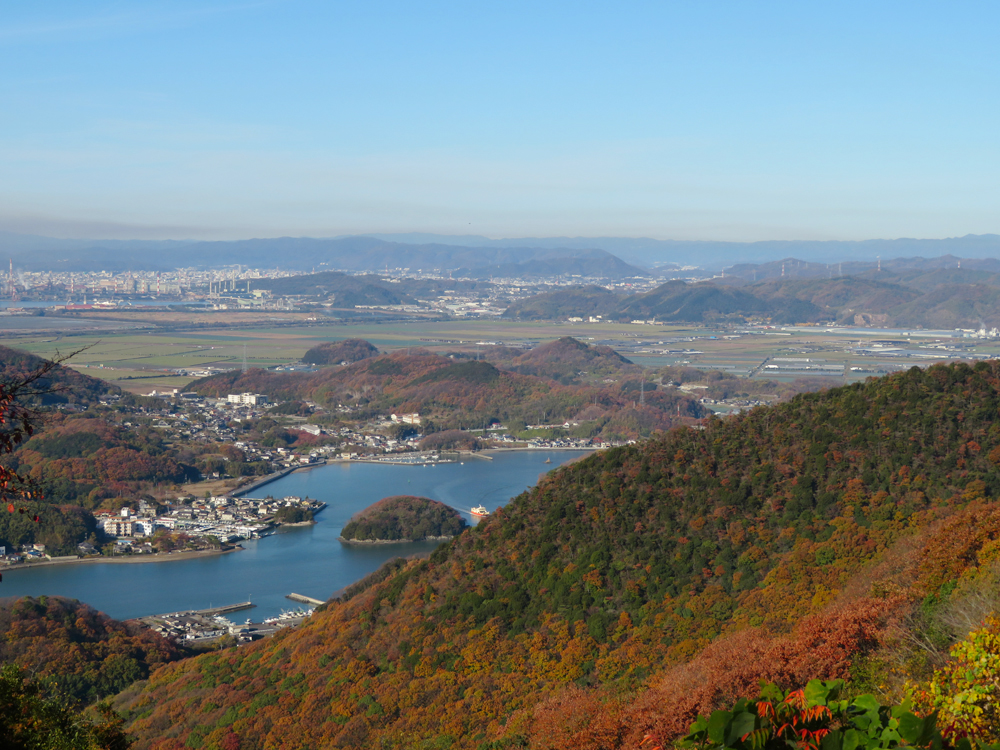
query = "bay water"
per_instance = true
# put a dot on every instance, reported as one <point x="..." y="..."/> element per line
<point x="307" y="560"/>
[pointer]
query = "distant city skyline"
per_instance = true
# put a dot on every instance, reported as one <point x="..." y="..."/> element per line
<point x="682" y="120"/>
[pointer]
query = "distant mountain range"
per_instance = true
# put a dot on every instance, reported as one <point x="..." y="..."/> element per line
<point x="481" y="257"/>
<point x="916" y="296"/>
<point x="647" y="252"/>
<point x="304" y="253"/>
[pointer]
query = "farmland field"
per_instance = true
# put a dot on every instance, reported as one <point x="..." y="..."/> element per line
<point x="143" y="360"/>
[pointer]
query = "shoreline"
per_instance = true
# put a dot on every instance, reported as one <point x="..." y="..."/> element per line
<point x="125" y="559"/>
<point x="489" y="451"/>
<point x="394" y="541"/>
<point x="486" y="454"/>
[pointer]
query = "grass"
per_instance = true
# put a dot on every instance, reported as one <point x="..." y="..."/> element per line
<point x="145" y="360"/>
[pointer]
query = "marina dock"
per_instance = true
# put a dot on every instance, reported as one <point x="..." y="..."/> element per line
<point x="196" y="624"/>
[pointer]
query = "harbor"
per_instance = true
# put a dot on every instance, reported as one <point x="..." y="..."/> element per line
<point x="203" y="626"/>
<point x="306" y="559"/>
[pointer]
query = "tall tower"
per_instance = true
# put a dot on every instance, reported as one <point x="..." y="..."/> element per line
<point x="12" y="284"/>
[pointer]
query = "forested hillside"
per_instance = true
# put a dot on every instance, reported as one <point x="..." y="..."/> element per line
<point x="822" y="537"/>
<point x="404" y="518"/>
<point x="84" y="458"/>
<point x="342" y="289"/>
<point x="44" y="436"/>
<point x="335" y="352"/>
<point x="944" y="298"/>
<point x="74" y="650"/>
<point x="454" y="393"/>
<point x="59" y="385"/>
<point x="565" y="302"/>
<point x="567" y="360"/>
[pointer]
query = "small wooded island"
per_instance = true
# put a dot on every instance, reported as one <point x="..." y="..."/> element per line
<point x="403" y="518"/>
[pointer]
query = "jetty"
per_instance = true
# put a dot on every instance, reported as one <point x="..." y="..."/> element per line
<point x="305" y="599"/>
<point x="195" y="624"/>
<point x="247" y="488"/>
<point x="210" y="612"/>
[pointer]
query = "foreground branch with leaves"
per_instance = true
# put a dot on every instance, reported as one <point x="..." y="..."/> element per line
<point x="816" y="718"/>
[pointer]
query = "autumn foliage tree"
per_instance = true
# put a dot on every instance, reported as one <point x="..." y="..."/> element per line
<point x="634" y="589"/>
<point x="17" y="424"/>
<point x="965" y="692"/>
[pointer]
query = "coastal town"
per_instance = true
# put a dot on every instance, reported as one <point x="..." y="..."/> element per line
<point x="222" y="515"/>
<point x="213" y="523"/>
<point x="238" y="287"/>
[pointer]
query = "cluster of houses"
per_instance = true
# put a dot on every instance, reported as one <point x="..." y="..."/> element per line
<point x="26" y="552"/>
<point x="227" y="519"/>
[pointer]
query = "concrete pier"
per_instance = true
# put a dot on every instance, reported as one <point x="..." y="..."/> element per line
<point x="304" y="599"/>
<point x="211" y="611"/>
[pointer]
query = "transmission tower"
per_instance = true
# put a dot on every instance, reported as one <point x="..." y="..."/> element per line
<point x="244" y="359"/>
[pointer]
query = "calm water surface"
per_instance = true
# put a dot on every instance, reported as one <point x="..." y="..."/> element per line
<point x="307" y="559"/>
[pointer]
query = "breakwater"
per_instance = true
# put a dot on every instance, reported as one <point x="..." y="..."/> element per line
<point x="305" y="599"/>
<point x="248" y="488"/>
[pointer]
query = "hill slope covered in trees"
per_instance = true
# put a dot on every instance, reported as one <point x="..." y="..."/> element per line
<point x="404" y="518"/>
<point x="567" y="360"/>
<point x="636" y="587"/>
<point x="936" y="298"/>
<point x="453" y="393"/>
<point x="60" y="384"/>
<point x="335" y="352"/>
<point x="73" y="649"/>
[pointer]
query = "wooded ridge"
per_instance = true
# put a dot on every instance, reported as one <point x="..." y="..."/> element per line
<point x="635" y="588"/>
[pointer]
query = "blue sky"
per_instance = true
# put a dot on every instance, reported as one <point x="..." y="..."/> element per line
<point x="687" y="120"/>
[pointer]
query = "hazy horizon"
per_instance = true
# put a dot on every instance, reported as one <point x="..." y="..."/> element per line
<point x="432" y="237"/>
<point x="226" y="120"/>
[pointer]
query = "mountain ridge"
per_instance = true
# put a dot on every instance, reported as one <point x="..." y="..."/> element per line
<point x="34" y="251"/>
<point x="784" y="538"/>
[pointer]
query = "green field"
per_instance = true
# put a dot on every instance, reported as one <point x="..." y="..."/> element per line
<point x="147" y="360"/>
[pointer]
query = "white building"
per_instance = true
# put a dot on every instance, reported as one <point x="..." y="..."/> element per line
<point x="118" y="527"/>
<point x="252" y="399"/>
<point x="413" y="418"/>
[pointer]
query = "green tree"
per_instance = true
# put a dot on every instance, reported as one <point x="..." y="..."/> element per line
<point x="29" y="720"/>
<point x="965" y="692"/>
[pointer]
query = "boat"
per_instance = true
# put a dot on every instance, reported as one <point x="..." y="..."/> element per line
<point x="547" y="461"/>
<point x="480" y="511"/>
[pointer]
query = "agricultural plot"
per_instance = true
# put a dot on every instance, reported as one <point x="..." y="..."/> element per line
<point x="141" y="361"/>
